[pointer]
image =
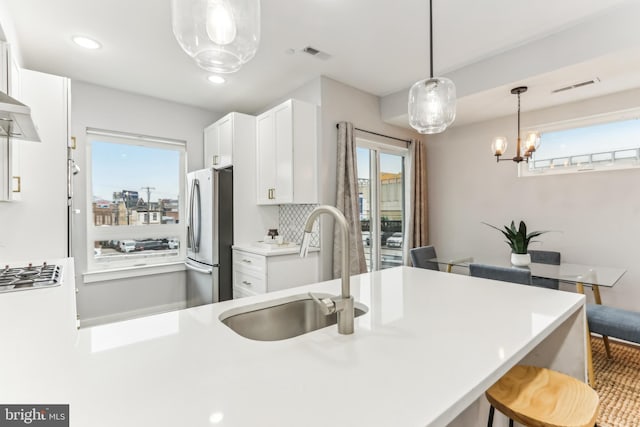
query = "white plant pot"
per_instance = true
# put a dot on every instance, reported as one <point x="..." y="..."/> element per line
<point x="520" y="260"/>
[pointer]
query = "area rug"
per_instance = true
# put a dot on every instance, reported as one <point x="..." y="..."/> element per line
<point x="618" y="384"/>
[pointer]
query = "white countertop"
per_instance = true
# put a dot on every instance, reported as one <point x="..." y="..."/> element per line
<point x="430" y="345"/>
<point x="272" y="250"/>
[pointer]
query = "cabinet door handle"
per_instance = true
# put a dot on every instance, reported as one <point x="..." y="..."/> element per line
<point x="273" y="193"/>
<point x="216" y="159"/>
<point x="244" y="282"/>
<point x="248" y="261"/>
<point x="19" y="181"/>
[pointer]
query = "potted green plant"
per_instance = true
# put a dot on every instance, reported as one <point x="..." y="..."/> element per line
<point x="518" y="240"/>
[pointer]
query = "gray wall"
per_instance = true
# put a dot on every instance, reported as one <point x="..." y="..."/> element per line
<point x="596" y="214"/>
<point x="344" y="103"/>
<point x="104" y="108"/>
<point x="338" y="102"/>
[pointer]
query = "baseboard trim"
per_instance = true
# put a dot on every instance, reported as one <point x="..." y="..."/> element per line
<point x="127" y="315"/>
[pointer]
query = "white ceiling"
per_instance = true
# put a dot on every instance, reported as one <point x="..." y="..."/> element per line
<point x="379" y="46"/>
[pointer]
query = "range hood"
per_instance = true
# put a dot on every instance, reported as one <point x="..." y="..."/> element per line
<point x="15" y="119"/>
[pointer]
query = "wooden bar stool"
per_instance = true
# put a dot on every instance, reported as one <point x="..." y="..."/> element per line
<point x="539" y="397"/>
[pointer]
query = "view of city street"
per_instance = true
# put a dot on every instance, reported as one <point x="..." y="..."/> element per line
<point x="387" y="214"/>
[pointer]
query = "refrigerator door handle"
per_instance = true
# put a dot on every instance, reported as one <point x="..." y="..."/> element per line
<point x="198" y="232"/>
<point x="198" y="269"/>
<point x="190" y="216"/>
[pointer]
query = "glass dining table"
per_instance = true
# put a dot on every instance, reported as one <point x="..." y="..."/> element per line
<point x="580" y="275"/>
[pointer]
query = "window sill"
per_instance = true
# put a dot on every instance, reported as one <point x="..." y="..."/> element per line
<point x="560" y="170"/>
<point x="129" y="272"/>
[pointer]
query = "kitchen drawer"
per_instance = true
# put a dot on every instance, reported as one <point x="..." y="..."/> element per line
<point x="248" y="262"/>
<point x="239" y="292"/>
<point x="249" y="282"/>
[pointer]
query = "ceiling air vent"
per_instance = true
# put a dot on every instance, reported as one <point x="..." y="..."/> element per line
<point x="577" y="85"/>
<point x="316" y="53"/>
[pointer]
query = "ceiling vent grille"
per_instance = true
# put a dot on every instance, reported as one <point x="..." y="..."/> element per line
<point x="316" y="53"/>
<point x="577" y="85"/>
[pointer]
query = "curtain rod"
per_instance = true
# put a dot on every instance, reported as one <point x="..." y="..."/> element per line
<point x="408" y="141"/>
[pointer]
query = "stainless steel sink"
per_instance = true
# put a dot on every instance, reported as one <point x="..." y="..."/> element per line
<point x="282" y="318"/>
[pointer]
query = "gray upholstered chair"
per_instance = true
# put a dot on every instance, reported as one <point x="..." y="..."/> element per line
<point x="545" y="257"/>
<point x="420" y="257"/>
<point x="506" y="274"/>
<point x="614" y="322"/>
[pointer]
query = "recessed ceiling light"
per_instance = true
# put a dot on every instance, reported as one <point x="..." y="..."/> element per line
<point x="86" y="42"/>
<point x="216" y="79"/>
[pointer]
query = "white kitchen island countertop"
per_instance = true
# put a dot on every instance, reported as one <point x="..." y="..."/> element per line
<point x="427" y="349"/>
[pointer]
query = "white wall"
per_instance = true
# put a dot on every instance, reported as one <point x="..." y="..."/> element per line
<point x="310" y="92"/>
<point x="250" y="221"/>
<point x="34" y="229"/>
<point x="596" y="215"/>
<point x="266" y="217"/>
<point x="104" y="108"/>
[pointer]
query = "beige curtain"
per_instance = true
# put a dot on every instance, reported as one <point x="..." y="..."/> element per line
<point x="347" y="202"/>
<point x="417" y="221"/>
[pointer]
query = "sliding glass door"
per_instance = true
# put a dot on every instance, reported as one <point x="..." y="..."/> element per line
<point x="381" y="182"/>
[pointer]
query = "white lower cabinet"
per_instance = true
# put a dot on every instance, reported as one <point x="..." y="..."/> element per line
<point x="255" y="274"/>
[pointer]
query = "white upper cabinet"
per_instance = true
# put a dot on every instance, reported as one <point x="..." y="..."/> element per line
<point x="219" y="138"/>
<point x="10" y="179"/>
<point x="266" y="158"/>
<point x="4" y="67"/>
<point x="286" y="143"/>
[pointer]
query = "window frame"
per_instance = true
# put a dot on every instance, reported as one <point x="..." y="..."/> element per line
<point x="375" y="149"/>
<point x="582" y="122"/>
<point x="139" y="264"/>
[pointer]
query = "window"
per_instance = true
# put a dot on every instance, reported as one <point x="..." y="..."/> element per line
<point x="381" y="182"/>
<point x="136" y="196"/>
<point x="606" y="142"/>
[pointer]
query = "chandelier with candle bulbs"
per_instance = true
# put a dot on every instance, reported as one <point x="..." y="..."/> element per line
<point x="524" y="149"/>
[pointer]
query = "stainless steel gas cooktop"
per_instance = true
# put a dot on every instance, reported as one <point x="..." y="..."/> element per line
<point x="30" y="277"/>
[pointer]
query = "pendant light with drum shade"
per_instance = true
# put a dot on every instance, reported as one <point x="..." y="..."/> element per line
<point x="220" y="35"/>
<point x="523" y="151"/>
<point x="432" y="102"/>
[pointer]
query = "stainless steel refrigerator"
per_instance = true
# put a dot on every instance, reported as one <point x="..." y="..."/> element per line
<point x="210" y="236"/>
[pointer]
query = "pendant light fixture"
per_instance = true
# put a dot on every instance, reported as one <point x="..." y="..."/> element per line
<point x="220" y="35"/>
<point x="432" y="102"/>
<point x="523" y="151"/>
